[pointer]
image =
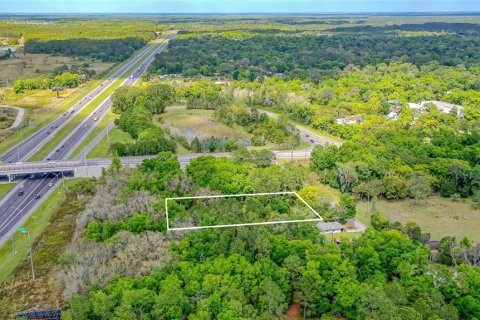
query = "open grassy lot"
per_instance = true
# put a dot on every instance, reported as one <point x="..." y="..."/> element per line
<point x="192" y="123"/>
<point x="102" y="148"/>
<point x="33" y="65"/>
<point x="439" y="216"/>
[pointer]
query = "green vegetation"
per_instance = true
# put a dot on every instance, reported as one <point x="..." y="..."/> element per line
<point x="251" y="271"/>
<point x="102" y="149"/>
<point x="36" y="224"/>
<point x="66" y="79"/>
<point x="105" y="50"/>
<point x="411" y="175"/>
<point x="137" y="107"/>
<point x="314" y="57"/>
<point x="61" y="134"/>
<point x="7" y="117"/>
<point x="4" y="188"/>
<point x="438" y="216"/>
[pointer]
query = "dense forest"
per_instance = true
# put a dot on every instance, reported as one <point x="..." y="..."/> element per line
<point x="137" y="106"/>
<point x="105" y="50"/>
<point x="251" y="272"/>
<point x="308" y="57"/>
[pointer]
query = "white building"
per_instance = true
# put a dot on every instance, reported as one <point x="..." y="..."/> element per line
<point x="444" y="107"/>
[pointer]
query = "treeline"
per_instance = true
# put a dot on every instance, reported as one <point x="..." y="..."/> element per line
<point x="137" y="107"/>
<point x="66" y="79"/>
<point x="458" y="28"/>
<point x="112" y="50"/>
<point x="378" y="154"/>
<point x="250" y="272"/>
<point x="308" y="57"/>
<point x="262" y="127"/>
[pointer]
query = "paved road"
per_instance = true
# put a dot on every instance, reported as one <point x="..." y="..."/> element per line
<point x="18" y="119"/>
<point x="13" y="208"/>
<point x="305" y="134"/>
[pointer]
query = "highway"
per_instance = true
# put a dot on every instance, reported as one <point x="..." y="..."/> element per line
<point x="16" y="206"/>
<point x="30" y="145"/>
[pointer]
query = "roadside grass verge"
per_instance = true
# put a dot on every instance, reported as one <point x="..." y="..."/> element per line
<point x="70" y="126"/>
<point x="102" y="149"/>
<point x="4" y="188"/>
<point x="20" y="292"/>
<point x="36" y="224"/>
<point x="439" y="216"/>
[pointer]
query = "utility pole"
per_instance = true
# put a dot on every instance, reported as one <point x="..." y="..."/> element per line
<point x="24" y="230"/>
<point x="31" y="256"/>
<point x="14" y="251"/>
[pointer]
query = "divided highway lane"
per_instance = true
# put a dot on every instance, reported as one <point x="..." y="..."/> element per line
<point x="22" y="201"/>
<point x="13" y="212"/>
<point x="27" y="147"/>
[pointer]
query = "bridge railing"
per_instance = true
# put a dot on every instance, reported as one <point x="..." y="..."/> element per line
<point x="60" y="165"/>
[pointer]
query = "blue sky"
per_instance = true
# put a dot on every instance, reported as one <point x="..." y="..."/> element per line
<point x="234" y="6"/>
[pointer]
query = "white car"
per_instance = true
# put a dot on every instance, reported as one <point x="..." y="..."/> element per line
<point x="50" y="184"/>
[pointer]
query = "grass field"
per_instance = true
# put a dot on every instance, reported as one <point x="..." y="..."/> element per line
<point x="34" y="65"/>
<point x="439" y="216"/>
<point x="4" y="188"/>
<point x="36" y="224"/>
<point x="191" y="123"/>
<point x="102" y="148"/>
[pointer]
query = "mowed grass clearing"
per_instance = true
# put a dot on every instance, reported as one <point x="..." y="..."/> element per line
<point x="439" y="216"/>
<point x="191" y="123"/>
<point x="30" y="65"/>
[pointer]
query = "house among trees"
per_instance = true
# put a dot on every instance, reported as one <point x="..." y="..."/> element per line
<point x="222" y="83"/>
<point x="353" y="119"/>
<point x="444" y="107"/>
<point x="330" y="227"/>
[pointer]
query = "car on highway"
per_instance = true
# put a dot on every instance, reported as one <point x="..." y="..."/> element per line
<point x="32" y="177"/>
<point x="50" y="184"/>
<point x="95" y="119"/>
<point x="37" y="196"/>
<point x="20" y="193"/>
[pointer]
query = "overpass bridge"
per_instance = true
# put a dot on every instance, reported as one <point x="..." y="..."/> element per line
<point x="84" y="168"/>
<point x="93" y="167"/>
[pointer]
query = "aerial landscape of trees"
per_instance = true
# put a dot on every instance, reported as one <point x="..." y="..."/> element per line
<point x="108" y="253"/>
